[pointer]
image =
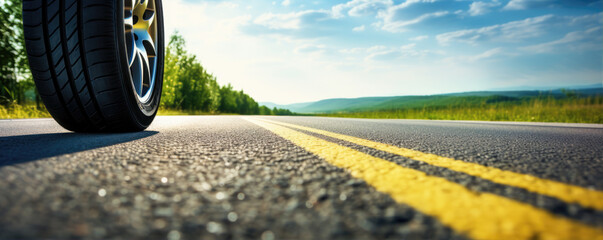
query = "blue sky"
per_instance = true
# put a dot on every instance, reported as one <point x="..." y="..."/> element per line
<point x="295" y="51"/>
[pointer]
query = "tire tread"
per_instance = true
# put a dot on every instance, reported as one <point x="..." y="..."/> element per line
<point x="73" y="66"/>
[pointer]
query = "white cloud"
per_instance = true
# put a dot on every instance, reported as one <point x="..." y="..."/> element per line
<point x="578" y="40"/>
<point x="588" y="20"/>
<point x="481" y="8"/>
<point x="396" y="18"/>
<point x="361" y="7"/>
<point x="286" y="3"/>
<point x="508" y="32"/>
<point x="517" y="31"/>
<point x="408" y="3"/>
<point x="408" y="46"/>
<point x="487" y="54"/>
<point x="360" y="28"/>
<point x="352" y="50"/>
<point x="419" y="38"/>
<point x="376" y="48"/>
<point x="278" y="21"/>
<point x="383" y="9"/>
<point x="388" y="55"/>
<point x="527" y="4"/>
<point x="390" y="17"/>
<point x="482" y="56"/>
<point x="400" y="25"/>
<point x="290" y="20"/>
<point x="383" y="53"/>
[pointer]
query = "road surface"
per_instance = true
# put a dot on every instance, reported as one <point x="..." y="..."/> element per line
<point x="231" y="177"/>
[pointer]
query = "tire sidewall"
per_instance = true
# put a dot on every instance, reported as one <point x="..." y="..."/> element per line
<point x="142" y="113"/>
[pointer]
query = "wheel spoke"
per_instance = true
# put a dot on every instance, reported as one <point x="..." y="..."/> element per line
<point x="130" y="48"/>
<point x="151" y="50"/>
<point x="145" y="75"/>
<point x="146" y="80"/>
<point x="137" y="73"/>
<point x="149" y="16"/>
<point x="146" y="69"/>
<point x="140" y="30"/>
<point x="140" y="7"/>
<point x="147" y="45"/>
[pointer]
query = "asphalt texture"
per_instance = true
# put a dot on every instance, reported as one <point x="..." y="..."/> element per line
<point x="223" y="177"/>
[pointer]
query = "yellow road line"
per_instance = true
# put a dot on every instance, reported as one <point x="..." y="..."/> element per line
<point x="566" y="192"/>
<point x="478" y="215"/>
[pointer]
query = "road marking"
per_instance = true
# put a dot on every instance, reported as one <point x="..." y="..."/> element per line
<point x="478" y="215"/>
<point x="566" y="192"/>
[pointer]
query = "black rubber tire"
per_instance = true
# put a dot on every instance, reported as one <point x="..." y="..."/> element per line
<point x="77" y="56"/>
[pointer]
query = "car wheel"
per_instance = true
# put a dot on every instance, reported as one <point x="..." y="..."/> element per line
<point x="97" y="64"/>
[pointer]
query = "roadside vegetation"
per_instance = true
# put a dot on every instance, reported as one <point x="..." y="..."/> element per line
<point x="570" y="109"/>
<point x="189" y="89"/>
<point x="18" y="97"/>
<point x="15" y="111"/>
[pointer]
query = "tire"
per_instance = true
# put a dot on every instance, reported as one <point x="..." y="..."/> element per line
<point x="87" y="58"/>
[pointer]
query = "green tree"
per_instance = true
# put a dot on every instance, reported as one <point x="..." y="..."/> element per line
<point x="280" y="111"/>
<point x="213" y="102"/>
<point x="265" y="110"/>
<point x="15" y="78"/>
<point x="187" y="85"/>
<point x="171" y="84"/>
<point x="228" y="100"/>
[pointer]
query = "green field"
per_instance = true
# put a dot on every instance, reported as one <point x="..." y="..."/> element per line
<point x="493" y="108"/>
<point x="546" y="108"/>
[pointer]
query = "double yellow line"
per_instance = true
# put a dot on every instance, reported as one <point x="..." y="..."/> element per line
<point x="477" y="215"/>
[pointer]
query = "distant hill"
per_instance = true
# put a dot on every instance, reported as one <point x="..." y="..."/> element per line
<point x="397" y="102"/>
<point x="533" y="88"/>
<point x="288" y="106"/>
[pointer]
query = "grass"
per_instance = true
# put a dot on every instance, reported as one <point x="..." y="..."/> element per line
<point x="16" y="111"/>
<point x="534" y="109"/>
<point x="549" y="109"/>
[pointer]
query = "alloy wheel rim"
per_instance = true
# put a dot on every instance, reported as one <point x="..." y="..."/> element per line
<point x="141" y="45"/>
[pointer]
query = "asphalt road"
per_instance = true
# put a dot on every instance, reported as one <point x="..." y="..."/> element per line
<point x="230" y="177"/>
